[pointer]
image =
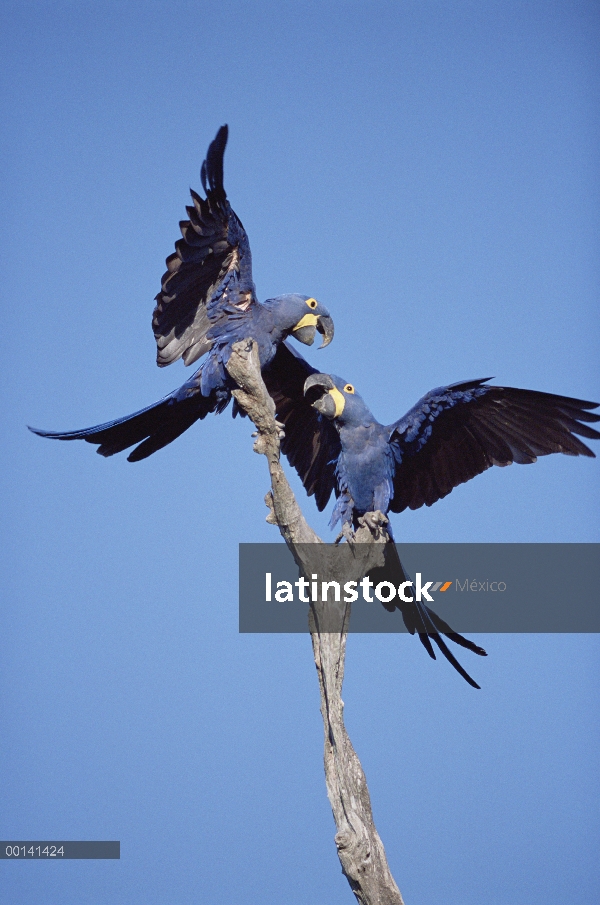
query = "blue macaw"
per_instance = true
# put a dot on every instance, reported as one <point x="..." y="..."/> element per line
<point x="452" y="434"/>
<point x="206" y="304"/>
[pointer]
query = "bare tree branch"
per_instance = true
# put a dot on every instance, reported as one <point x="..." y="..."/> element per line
<point x="244" y="367"/>
<point x="359" y="847"/>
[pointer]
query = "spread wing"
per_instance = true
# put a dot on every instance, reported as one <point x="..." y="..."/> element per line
<point x="153" y="427"/>
<point x="456" y="432"/>
<point x="311" y="442"/>
<point x="211" y="264"/>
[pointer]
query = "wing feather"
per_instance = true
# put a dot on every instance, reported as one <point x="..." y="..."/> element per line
<point x="152" y="428"/>
<point x="214" y="246"/>
<point x="311" y="443"/>
<point x="455" y="433"/>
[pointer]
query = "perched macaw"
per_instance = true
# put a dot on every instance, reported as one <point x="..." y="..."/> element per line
<point x="206" y="304"/>
<point x="452" y="434"/>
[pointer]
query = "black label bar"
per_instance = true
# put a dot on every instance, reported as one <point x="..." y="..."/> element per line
<point x="58" y="851"/>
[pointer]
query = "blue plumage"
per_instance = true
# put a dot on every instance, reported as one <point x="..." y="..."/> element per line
<point x="452" y="434"/>
<point x="206" y="304"/>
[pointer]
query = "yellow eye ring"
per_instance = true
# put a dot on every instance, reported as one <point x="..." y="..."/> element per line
<point x="348" y="388"/>
<point x="312" y="303"/>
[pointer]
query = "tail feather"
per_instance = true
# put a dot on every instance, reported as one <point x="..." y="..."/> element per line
<point x="421" y="619"/>
<point x="442" y="626"/>
<point x="212" y="168"/>
<point x="452" y="659"/>
<point x="152" y="427"/>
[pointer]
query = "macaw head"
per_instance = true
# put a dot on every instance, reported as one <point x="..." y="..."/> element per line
<point x="336" y="399"/>
<point x="302" y="316"/>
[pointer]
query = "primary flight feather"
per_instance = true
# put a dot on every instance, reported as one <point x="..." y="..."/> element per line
<point x="208" y="302"/>
<point x="451" y="435"/>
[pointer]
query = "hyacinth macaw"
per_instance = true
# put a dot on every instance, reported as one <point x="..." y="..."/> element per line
<point x="208" y="302"/>
<point x="452" y="434"/>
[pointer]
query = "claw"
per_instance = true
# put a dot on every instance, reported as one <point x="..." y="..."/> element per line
<point x="374" y="521"/>
<point x="347" y="532"/>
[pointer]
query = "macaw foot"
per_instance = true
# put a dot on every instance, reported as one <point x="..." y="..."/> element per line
<point x="374" y="521"/>
<point x="280" y="434"/>
<point x="346" y="534"/>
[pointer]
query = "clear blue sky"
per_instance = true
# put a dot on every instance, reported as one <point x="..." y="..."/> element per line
<point x="428" y="171"/>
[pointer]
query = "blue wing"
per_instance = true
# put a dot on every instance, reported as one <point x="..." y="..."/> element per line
<point x="209" y="272"/>
<point x="311" y="442"/>
<point x="151" y="428"/>
<point x="456" y="432"/>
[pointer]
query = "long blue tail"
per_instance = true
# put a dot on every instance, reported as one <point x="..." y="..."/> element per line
<point x="420" y="619"/>
<point x="153" y="427"/>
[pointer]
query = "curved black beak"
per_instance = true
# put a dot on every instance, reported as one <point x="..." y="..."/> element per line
<point x="306" y="334"/>
<point x="324" y="401"/>
<point x="326" y="329"/>
<point x="318" y="380"/>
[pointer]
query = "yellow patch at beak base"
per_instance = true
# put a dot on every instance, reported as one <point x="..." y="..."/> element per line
<point x="309" y="320"/>
<point x="339" y="400"/>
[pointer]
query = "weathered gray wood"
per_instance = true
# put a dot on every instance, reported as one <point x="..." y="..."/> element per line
<point x="253" y="397"/>
<point x="359" y="847"/>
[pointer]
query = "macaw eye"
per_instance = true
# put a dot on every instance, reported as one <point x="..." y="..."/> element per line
<point x="312" y="303"/>
<point x="348" y="388"/>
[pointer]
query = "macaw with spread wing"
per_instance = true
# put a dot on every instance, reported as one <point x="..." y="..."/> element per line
<point x="451" y="435"/>
<point x="206" y="304"/>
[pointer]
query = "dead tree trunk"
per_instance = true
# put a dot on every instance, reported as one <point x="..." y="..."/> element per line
<point x="359" y="847"/>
